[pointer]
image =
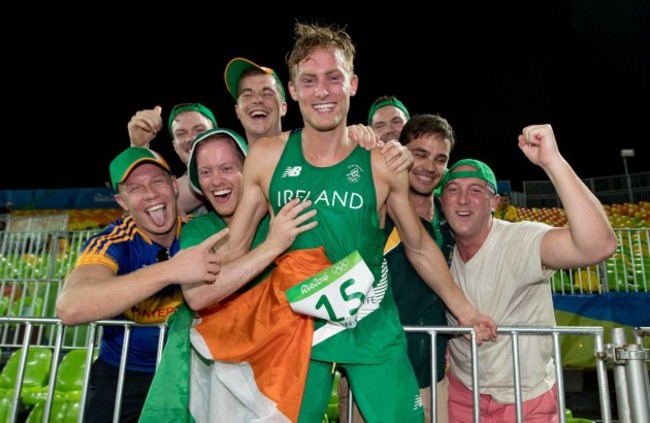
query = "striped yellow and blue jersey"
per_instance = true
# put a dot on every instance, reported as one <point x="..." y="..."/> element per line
<point x="125" y="249"/>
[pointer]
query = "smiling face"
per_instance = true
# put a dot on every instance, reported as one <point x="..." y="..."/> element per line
<point x="260" y="106"/>
<point x="430" y="158"/>
<point x="468" y="206"/>
<point x="219" y="165"/>
<point x="322" y="86"/>
<point x="387" y="122"/>
<point x="149" y="195"/>
<point x="185" y="127"/>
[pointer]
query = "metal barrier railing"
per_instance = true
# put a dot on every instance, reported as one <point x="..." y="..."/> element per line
<point x="26" y="327"/>
<point x="635" y="386"/>
<point x="627" y="359"/>
<point x="630" y="374"/>
<point x="34" y="264"/>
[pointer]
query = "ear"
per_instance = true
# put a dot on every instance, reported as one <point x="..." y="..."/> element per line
<point x="292" y="91"/>
<point x="283" y="108"/>
<point x="495" y="202"/>
<point x="354" y="85"/>
<point x="121" y="202"/>
<point x="175" y="185"/>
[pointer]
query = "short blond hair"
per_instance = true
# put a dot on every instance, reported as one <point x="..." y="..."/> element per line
<point x="309" y="37"/>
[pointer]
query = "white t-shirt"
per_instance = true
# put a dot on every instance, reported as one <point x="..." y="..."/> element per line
<point x="505" y="280"/>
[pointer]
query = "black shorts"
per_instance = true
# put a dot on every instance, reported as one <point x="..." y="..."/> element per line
<point x="100" y="403"/>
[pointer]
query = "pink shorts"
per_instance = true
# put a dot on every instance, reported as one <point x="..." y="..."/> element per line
<point x="542" y="409"/>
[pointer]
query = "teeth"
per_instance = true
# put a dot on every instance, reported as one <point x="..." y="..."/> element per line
<point x="221" y="192"/>
<point x="258" y="114"/>
<point x="156" y="207"/>
<point x="323" y="106"/>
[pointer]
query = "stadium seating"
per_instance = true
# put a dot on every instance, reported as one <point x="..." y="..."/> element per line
<point x="62" y="412"/>
<point x="67" y="391"/>
<point x="69" y="380"/>
<point x="37" y="372"/>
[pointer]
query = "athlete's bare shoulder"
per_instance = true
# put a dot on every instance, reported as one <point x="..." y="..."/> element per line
<point x="264" y="155"/>
<point x="266" y="145"/>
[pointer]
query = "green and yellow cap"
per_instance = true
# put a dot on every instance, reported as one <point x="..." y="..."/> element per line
<point x="122" y="165"/>
<point x="237" y="66"/>
<point x="191" y="164"/>
<point x="482" y="171"/>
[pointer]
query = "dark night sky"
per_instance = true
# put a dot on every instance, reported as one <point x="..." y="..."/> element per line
<point x="581" y="65"/>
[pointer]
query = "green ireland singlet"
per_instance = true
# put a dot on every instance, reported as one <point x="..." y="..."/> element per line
<point x="344" y="195"/>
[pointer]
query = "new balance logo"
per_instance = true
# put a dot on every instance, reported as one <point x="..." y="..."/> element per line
<point x="292" y="171"/>
<point x="418" y="402"/>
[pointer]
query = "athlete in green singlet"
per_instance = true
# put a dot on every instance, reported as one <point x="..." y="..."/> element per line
<point x="352" y="190"/>
<point x="345" y="198"/>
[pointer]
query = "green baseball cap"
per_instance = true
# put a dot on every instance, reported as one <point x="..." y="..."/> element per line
<point x="122" y="165"/>
<point x="191" y="164"/>
<point x="482" y="171"/>
<point x="189" y="107"/>
<point x="388" y="102"/>
<point x="237" y="66"/>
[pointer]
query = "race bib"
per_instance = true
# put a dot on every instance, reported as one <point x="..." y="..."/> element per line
<point x="336" y="293"/>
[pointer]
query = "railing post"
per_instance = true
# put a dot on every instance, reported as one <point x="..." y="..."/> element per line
<point x="636" y="356"/>
<point x="620" y="382"/>
<point x="630" y="378"/>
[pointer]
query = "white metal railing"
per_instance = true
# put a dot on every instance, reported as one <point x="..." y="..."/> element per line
<point x="33" y="265"/>
<point x="628" y="360"/>
<point x="632" y="388"/>
<point x="26" y="328"/>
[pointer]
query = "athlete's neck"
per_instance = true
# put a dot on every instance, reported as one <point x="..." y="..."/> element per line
<point x="326" y="148"/>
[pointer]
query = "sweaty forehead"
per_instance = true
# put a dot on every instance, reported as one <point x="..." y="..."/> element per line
<point x="323" y="60"/>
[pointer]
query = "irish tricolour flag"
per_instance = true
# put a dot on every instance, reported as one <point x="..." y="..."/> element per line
<point x="244" y="360"/>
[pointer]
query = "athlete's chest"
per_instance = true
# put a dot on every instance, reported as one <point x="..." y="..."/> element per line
<point x="345" y="185"/>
